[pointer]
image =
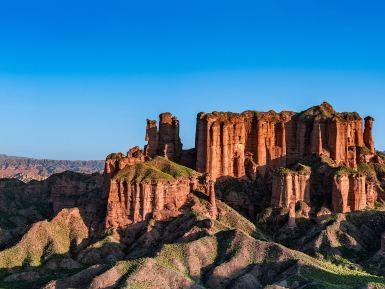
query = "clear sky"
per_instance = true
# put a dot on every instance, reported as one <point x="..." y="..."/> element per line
<point x="79" y="78"/>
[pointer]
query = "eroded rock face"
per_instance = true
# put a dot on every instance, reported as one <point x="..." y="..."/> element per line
<point x="252" y="146"/>
<point x="131" y="202"/>
<point x="289" y="188"/>
<point x="223" y="140"/>
<point x="165" y="141"/>
<point x="352" y="193"/>
<point x="140" y="189"/>
<point x="26" y="203"/>
<point x="368" y="135"/>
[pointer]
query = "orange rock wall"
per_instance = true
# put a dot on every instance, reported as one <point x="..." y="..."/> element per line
<point x="224" y="140"/>
<point x="352" y="193"/>
<point x="130" y="203"/>
<point x="290" y="188"/>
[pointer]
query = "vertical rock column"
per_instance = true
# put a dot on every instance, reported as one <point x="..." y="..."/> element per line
<point x="202" y="143"/>
<point x="281" y="144"/>
<point x="340" y="194"/>
<point x="159" y="198"/>
<point x="137" y="192"/>
<point x="146" y="200"/>
<point x="368" y="134"/>
<point x="261" y="143"/>
<point x="226" y="166"/>
<point x="239" y="148"/>
<point x="152" y="147"/>
<point x="291" y="220"/>
<point x="213" y="204"/>
<point x="371" y="194"/>
<point x="357" y="192"/>
<point x="317" y="139"/>
<point x="170" y="145"/>
<point x="340" y="142"/>
<point x="215" y="167"/>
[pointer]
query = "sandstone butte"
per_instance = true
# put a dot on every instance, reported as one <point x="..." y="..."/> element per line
<point x="298" y="157"/>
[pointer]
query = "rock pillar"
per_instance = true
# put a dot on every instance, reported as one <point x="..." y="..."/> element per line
<point x="213" y="204"/>
<point x="368" y="134"/>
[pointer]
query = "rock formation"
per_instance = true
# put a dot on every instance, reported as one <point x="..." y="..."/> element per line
<point x="267" y="147"/>
<point x="291" y="220"/>
<point x="368" y="135"/>
<point x="223" y="140"/>
<point x="352" y="192"/>
<point x="165" y="141"/>
<point x="140" y="188"/>
<point x="290" y="187"/>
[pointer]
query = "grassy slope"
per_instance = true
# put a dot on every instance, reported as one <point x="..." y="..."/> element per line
<point x="157" y="169"/>
<point x="232" y="246"/>
<point x="45" y="239"/>
<point x="233" y="250"/>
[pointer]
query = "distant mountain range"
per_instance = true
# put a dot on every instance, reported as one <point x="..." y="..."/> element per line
<point x="27" y="169"/>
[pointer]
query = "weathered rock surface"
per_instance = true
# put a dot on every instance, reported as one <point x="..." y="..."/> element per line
<point x="22" y="204"/>
<point x="353" y="192"/>
<point x="253" y="145"/>
<point x="277" y="139"/>
<point x="165" y="141"/>
<point x="290" y="187"/>
<point x="152" y="223"/>
<point x="139" y="190"/>
<point x="191" y="250"/>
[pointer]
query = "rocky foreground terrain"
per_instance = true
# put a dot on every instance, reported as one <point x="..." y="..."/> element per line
<point x="265" y="200"/>
<point x="27" y="169"/>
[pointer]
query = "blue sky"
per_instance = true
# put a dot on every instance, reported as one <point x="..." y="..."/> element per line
<point x="79" y="78"/>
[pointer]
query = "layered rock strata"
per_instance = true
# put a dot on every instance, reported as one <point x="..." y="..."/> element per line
<point x="368" y="134"/>
<point x="353" y="192"/>
<point x="258" y="146"/>
<point x="290" y="187"/>
<point x="224" y="140"/>
<point x="140" y="189"/>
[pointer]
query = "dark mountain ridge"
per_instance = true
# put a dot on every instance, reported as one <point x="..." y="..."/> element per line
<point x="27" y="169"/>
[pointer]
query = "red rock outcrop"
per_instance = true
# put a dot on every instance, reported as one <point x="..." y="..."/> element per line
<point x="242" y="145"/>
<point x="139" y="188"/>
<point x="352" y="192"/>
<point x="290" y="187"/>
<point x="368" y="135"/>
<point x="224" y="140"/>
<point x="117" y="161"/>
<point x="165" y="141"/>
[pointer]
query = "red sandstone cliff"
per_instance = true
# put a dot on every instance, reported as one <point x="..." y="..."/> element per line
<point x="290" y="187"/>
<point x="252" y="145"/>
<point x="223" y="140"/>
<point x="353" y="192"/>
<point x="141" y="188"/>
